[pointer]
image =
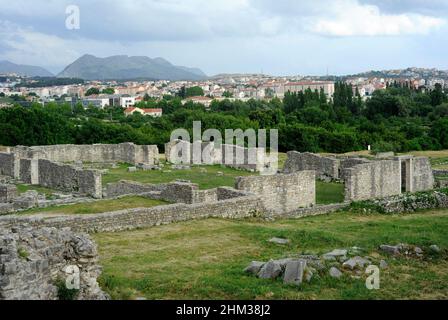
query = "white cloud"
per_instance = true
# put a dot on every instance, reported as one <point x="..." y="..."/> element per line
<point x="350" y="18"/>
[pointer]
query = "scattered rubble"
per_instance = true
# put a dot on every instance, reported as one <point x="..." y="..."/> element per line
<point x="296" y="270"/>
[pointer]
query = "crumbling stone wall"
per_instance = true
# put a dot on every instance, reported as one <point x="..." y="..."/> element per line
<point x="373" y="180"/>
<point x="8" y="192"/>
<point x="422" y="175"/>
<point x="124" y="152"/>
<point x="236" y="208"/>
<point x="33" y="259"/>
<point x="349" y="163"/>
<point x="282" y="193"/>
<point x="326" y="167"/>
<point x="14" y="202"/>
<point x="68" y="178"/>
<point x="9" y="165"/>
<point x="175" y="192"/>
<point x="251" y="159"/>
<point x="29" y="171"/>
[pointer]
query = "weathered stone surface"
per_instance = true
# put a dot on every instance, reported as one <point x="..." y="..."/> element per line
<point x="391" y="249"/>
<point x="333" y="255"/>
<point x="123" y="153"/>
<point x="270" y="270"/>
<point x="335" y="272"/>
<point x="279" y="241"/>
<point x="325" y="167"/>
<point x="384" y="264"/>
<point x="294" y="272"/>
<point x="355" y="263"/>
<point x="254" y="267"/>
<point x="282" y="193"/>
<point x="7" y="192"/>
<point x="132" y="169"/>
<point x="34" y="259"/>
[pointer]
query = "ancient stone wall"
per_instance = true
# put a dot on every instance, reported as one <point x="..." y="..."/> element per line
<point x="325" y="167"/>
<point x="7" y="192"/>
<point x="282" y="193"/>
<point x="349" y="163"/>
<point x="68" y="178"/>
<point x="373" y="180"/>
<point x="422" y="175"/>
<point x="9" y="165"/>
<point x="29" y="171"/>
<point x="251" y="159"/>
<point x="131" y="219"/>
<point x="124" y="152"/>
<point x="33" y="260"/>
<point x="175" y="192"/>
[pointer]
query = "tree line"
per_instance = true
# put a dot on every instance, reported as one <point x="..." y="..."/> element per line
<point x="395" y="119"/>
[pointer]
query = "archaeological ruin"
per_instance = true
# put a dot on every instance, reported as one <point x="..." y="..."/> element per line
<point x="287" y="194"/>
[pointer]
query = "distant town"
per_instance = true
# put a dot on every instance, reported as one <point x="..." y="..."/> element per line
<point x="24" y="90"/>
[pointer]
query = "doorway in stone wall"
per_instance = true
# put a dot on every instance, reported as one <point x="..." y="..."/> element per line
<point x="406" y="175"/>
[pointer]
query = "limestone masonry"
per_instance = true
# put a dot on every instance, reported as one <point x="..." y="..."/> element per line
<point x="33" y="260"/>
<point x="282" y="193"/>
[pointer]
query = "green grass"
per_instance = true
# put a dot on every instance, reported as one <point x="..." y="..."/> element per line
<point x="204" y="259"/>
<point x="207" y="179"/>
<point x="22" y="188"/>
<point x="328" y="193"/>
<point x="100" y="206"/>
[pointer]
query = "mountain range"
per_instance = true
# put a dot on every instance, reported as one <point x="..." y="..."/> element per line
<point x="23" y="70"/>
<point x="89" y="67"/>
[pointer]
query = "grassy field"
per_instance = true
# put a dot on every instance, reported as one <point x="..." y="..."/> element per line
<point x="100" y="206"/>
<point x="204" y="259"/>
<point x="207" y="177"/>
<point x="328" y="193"/>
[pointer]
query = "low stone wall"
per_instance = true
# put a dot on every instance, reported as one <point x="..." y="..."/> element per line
<point x="282" y="193"/>
<point x="124" y="152"/>
<point x="236" y="208"/>
<point x="316" y="211"/>
<point x="34" y="259"/>
<point x="377" y="179"/>
<point x="325" y="167"/>
<point x="15" y="202"/>
<point x="68" y="178"/>
<point x="406" y="203"/>
<point x="175" y="192"/>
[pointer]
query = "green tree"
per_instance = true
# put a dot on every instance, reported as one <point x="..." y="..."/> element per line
<point x="92" y="91"/>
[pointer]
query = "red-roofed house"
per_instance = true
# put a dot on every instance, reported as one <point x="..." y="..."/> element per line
<point x="144" y="111"/>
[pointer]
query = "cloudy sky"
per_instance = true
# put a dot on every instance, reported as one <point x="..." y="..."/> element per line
<point x="281" y="37"/>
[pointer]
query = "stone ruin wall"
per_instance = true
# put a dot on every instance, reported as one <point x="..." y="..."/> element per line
<point x="33" y="259"/>
<point x="372" y="180"/>
<point x="124" y="152"/>
<point x="175" y="192"/>
<point x="422" y="175"/>
<point x="69" y="179"/>
<point x="325" y="167"/>
<point x="131" y="219"/>
<point x="251" y="159"/>
<point x="9" y="165"/>
<point x="282" y="193"/>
